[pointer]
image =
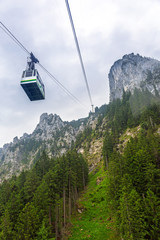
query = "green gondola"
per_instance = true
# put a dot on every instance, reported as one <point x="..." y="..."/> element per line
<point x="31" y="81"/>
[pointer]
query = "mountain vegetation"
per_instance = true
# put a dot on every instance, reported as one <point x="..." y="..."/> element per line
<point x="133" y="190"/>
<point x="51" y="135"/>
<point x="92" y="220"/>
<point x="38" y="204"/>
<point x="127" y="199"/>
<point x="118" y="197"/>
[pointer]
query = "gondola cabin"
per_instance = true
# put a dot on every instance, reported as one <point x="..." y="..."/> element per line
<point x="33" y="85"/>
<point x="31" y="82"/>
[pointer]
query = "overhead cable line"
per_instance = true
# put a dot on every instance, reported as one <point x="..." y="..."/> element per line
<point x="13" y="37"/>
<point x="10" y="34"/>
<point x="79" y="52"/>
<point x="61" y="85"/>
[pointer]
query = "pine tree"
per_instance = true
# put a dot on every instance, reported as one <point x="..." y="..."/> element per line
<point x="152" y="215"/>
<point x="31" y="184"/>
<point x="28" y="223"/>
<point x="43" y="233"/>
<point x="41" y="200"/>
<point x="7" y="232"/>
<point x="132" y="223"/>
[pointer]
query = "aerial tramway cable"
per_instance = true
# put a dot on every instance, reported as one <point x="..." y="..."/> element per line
<point x="79" y="52"/>
<point x="61" y="85"/>
<point x="10" y="34"/>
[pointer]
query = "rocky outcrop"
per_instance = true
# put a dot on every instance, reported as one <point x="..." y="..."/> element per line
<point x="51" y="134"/>
<point x="134" y="71"/>
<point x="48" y="126"/>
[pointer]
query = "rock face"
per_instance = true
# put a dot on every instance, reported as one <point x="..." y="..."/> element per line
<point x="56" y="136"/>
<point x="51" y="134"/>
<point x="134" y="71"/>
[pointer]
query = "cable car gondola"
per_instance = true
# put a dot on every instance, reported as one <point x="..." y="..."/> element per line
<point x="31" y="81"/>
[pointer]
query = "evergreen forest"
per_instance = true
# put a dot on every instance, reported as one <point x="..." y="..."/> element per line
<point x="62" y="198"/>
<point x="38" y="203"/>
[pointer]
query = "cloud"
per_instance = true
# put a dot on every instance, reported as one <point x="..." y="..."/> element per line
<point x="106" y="30"/>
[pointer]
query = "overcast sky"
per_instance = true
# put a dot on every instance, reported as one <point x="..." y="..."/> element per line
<point x="106" y="30"/>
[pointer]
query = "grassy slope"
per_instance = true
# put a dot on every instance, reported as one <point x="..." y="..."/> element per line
<point x="94" y="222"/>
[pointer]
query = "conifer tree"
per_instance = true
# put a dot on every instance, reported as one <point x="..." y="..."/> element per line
<point x="28" y="223"/>
<point x="7" y="232"/>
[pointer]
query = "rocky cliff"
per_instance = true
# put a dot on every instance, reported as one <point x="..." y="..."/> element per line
<point x="134" y="71"/>
<point x="51" y="134"/>
<point x="56" y="136"/>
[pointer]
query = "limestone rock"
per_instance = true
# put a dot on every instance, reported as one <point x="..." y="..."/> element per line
<point x="51" y="134"/>
<point x="134" y="71"/>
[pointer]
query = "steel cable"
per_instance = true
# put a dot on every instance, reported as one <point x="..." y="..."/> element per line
<point x="10" y="34"/>
<point x="79" y="52"/>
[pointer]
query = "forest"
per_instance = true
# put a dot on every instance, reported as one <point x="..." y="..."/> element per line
<point x="133" y="189"/>
<point x="40" y="203"/>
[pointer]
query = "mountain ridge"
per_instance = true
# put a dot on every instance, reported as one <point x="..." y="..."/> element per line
<point x="119" y="144"/>
<point x="56" y="136"/>
<point x="51" y="134"/>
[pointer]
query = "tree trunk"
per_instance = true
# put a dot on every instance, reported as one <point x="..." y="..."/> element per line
<point x="106" y="163"/>
<point x="76" y="193"/>
<point x="56" y="221"/>
<point x="64" y="206"/>
<point x="69" y="183"/>
<point x="74" y="198"/>
<point x="84" y="184"/>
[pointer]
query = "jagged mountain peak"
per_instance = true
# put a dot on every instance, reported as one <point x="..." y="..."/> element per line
<point x="135" y="57"/>
<point x="48" y="124"/>
<point x="134" y="71"/>
<point x="51" y="134"/>
<point x="49" y="117"/>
